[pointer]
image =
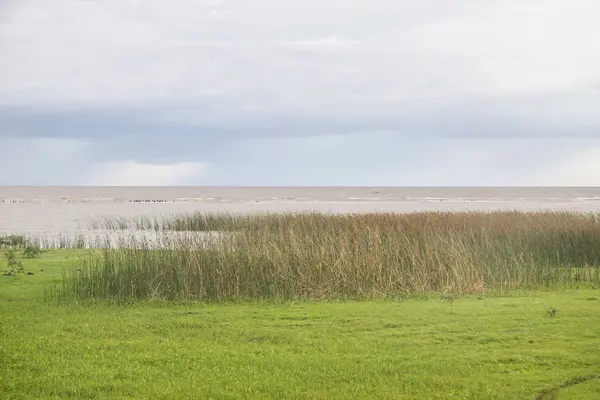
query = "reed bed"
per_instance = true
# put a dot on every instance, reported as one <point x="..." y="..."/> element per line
<point x="107" y="239"/>
<point x="342" y="256"/>
<point x="180" y="222"/>
<point x="48" y="241"/>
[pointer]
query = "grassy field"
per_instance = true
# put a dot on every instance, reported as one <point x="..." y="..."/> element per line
<point x="415" y="347"/>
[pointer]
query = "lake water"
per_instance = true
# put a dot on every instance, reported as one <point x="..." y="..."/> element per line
<point x="68" y="209"/>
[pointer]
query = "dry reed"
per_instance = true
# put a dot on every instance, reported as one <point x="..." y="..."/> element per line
<point x="318" y="256"/>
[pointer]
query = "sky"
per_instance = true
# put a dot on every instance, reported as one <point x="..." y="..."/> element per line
<point x="300" y="92"/>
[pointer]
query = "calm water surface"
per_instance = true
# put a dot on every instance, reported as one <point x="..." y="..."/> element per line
<point x="68" y="209"/>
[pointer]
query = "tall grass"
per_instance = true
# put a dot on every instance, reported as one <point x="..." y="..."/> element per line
<point x="317" y="256"/>
<point x="211" y="222"/>
<point x="47" y="241"/>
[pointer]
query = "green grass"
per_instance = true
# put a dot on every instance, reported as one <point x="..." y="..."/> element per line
<point x="415" y="347"/>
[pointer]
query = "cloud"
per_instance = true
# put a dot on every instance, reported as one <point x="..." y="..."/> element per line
<point x="326" y="42"/>
<point x="72" y="53"/>
<point x="299" y="92"/>
<point x="131" y="173"/>
<point x="579" y="169"/>
<point x="45" y="161"/>
<point x="66" y="162"/>
<point x="386" y="158"/>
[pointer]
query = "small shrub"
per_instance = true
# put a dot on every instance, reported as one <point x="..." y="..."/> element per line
<point x="14" y="265"/>
<point x="32" y="251"/>
<point x="13" y="241"/>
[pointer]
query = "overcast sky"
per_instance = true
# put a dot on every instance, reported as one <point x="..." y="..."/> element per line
<point x="303" y="92"/>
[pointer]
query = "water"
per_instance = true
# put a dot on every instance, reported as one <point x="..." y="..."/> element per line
<point x="32" y="210"/>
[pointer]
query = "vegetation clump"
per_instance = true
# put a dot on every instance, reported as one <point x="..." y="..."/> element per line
<point x="344" y="256"/>
<point x="32" y="251"/>
<point x="15" y="266"/>
<point x="12" y="241"/>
